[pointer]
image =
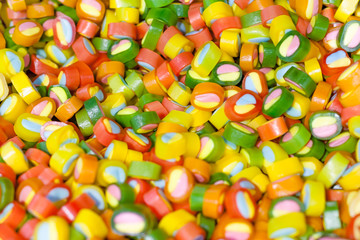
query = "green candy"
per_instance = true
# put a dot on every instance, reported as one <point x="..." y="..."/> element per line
<point x="7" y="192"/>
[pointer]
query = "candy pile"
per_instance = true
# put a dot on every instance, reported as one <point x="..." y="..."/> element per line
<point x="188" y="120"/>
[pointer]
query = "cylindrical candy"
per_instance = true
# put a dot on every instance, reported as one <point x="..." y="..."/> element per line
<point x="132" y="220"/>
<point x="205" y="59"/>
<point x="325" y="125"/>
<point x="293" y="47"/>
<point x="240" y="134"/>
<point x="295" y="139"/>
<point x="243" y="105"/>
<point x="178" y="184"/>
<point x="207" y="96"/>
<point x="277" y="102"/>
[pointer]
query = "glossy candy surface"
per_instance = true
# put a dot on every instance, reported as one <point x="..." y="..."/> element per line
<point x="164" y="119"/>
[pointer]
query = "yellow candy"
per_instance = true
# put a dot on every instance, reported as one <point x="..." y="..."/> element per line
<point x="218" y="119"/>
<point x="12" y="107"/>
<point x="357" y="151"/>
<point x="110" y="171"/>
<point x="272" y="152"/>
<point x="60" y="136"/>
<point x="192" y="144"/>
<point x="90" y="224"/>
<point x="350" y="180"/>
<point x="288" y="225"/>
<point x="206" y="57"/>
<point x="299" y="108"/>
<point x="14" y="157"/>
<point x="261" y="181"/>
<point x="27" y="126"/>
<point x="345" y="10"/>
<point x="64" y="159"/>
<point x="74" y="186"/>
<point x="354" y="126"/>
<point x="177" y="44"/>
<point x="313" y="69"/>
<point x="225" y="57"/>
<point x="124" y="3"/>
<point x="285" y="4"/>
<point x="255" y="34"/>
<point x="117" y="150"/>
<point x="173" y="221"/>
<point x="4" y="89"/>
<point x="230" y="148"/>
<point x="279" y="26"/>
<point x="11" y="63"/>
<point x="333" y="170"/>
<point x="313" y="196"/>
<point x="24" y="87"/>
<point x="312" y="167"/>
<point x="231" y="165"/>
<point x="128" y="14"/>
<point x="170" y="145"/>
<point x="248" y="173"/>
<point x="110" y="17"/>
<point x="353" y="201"/>
<point x="57" y="55"/>
<point x="118" y="85"/>
<point x="133" y="156"/>
<point x="255" y="175"/>
<point x="180" y="93"/>
<point x="71" y="60"/>
<point x="53" y="227"/>
<point x="182" y="118"/>
<point x="257" y="122"/>
<point x="230" y="42"/>
<point x="199" y="117"/>
<point x="284" y="168"/>
<point x="238" y="11"/>
<point x="112" y="104"/>
<point x="216" y="11"/>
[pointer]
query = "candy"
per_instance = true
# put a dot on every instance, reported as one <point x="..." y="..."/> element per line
<point x="278" y="226"/>
<point x="329" y="174"/>
<point x="90" y="224"/>
<point x="155" y="199"/>
<point x="272" y="129"/>
<point x="118" y="193"/>
<point x="85" y="169"/>
<point x="206" y="58"/>
<point x="145" y="122"/>
<point x="204" y="119"/>
<point x="300" y="81"/>
<point x="144" y="170"/>
<point x="240" y="134"/>
<point x="64" y="32"/>
<point x="132" y="220"/>
<point x="64" y="159"/>
<point x="243" y="106"/>
<point x="343" y="142"/>
<point x="111" y="171"/>
<point x="293" y="47"/>
<point x="240" y="203"/>
<point x="277" y="102"/>
<point x="313" y="197"/>
<point x="346" y="32"/>
<point x="179" y="183"/>
<point x="295" y="138"/>
<point x="12" y="107"/>
<point x="325" y="124"/>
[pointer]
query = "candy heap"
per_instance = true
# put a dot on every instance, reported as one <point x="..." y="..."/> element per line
<point x="157" y="119"/>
